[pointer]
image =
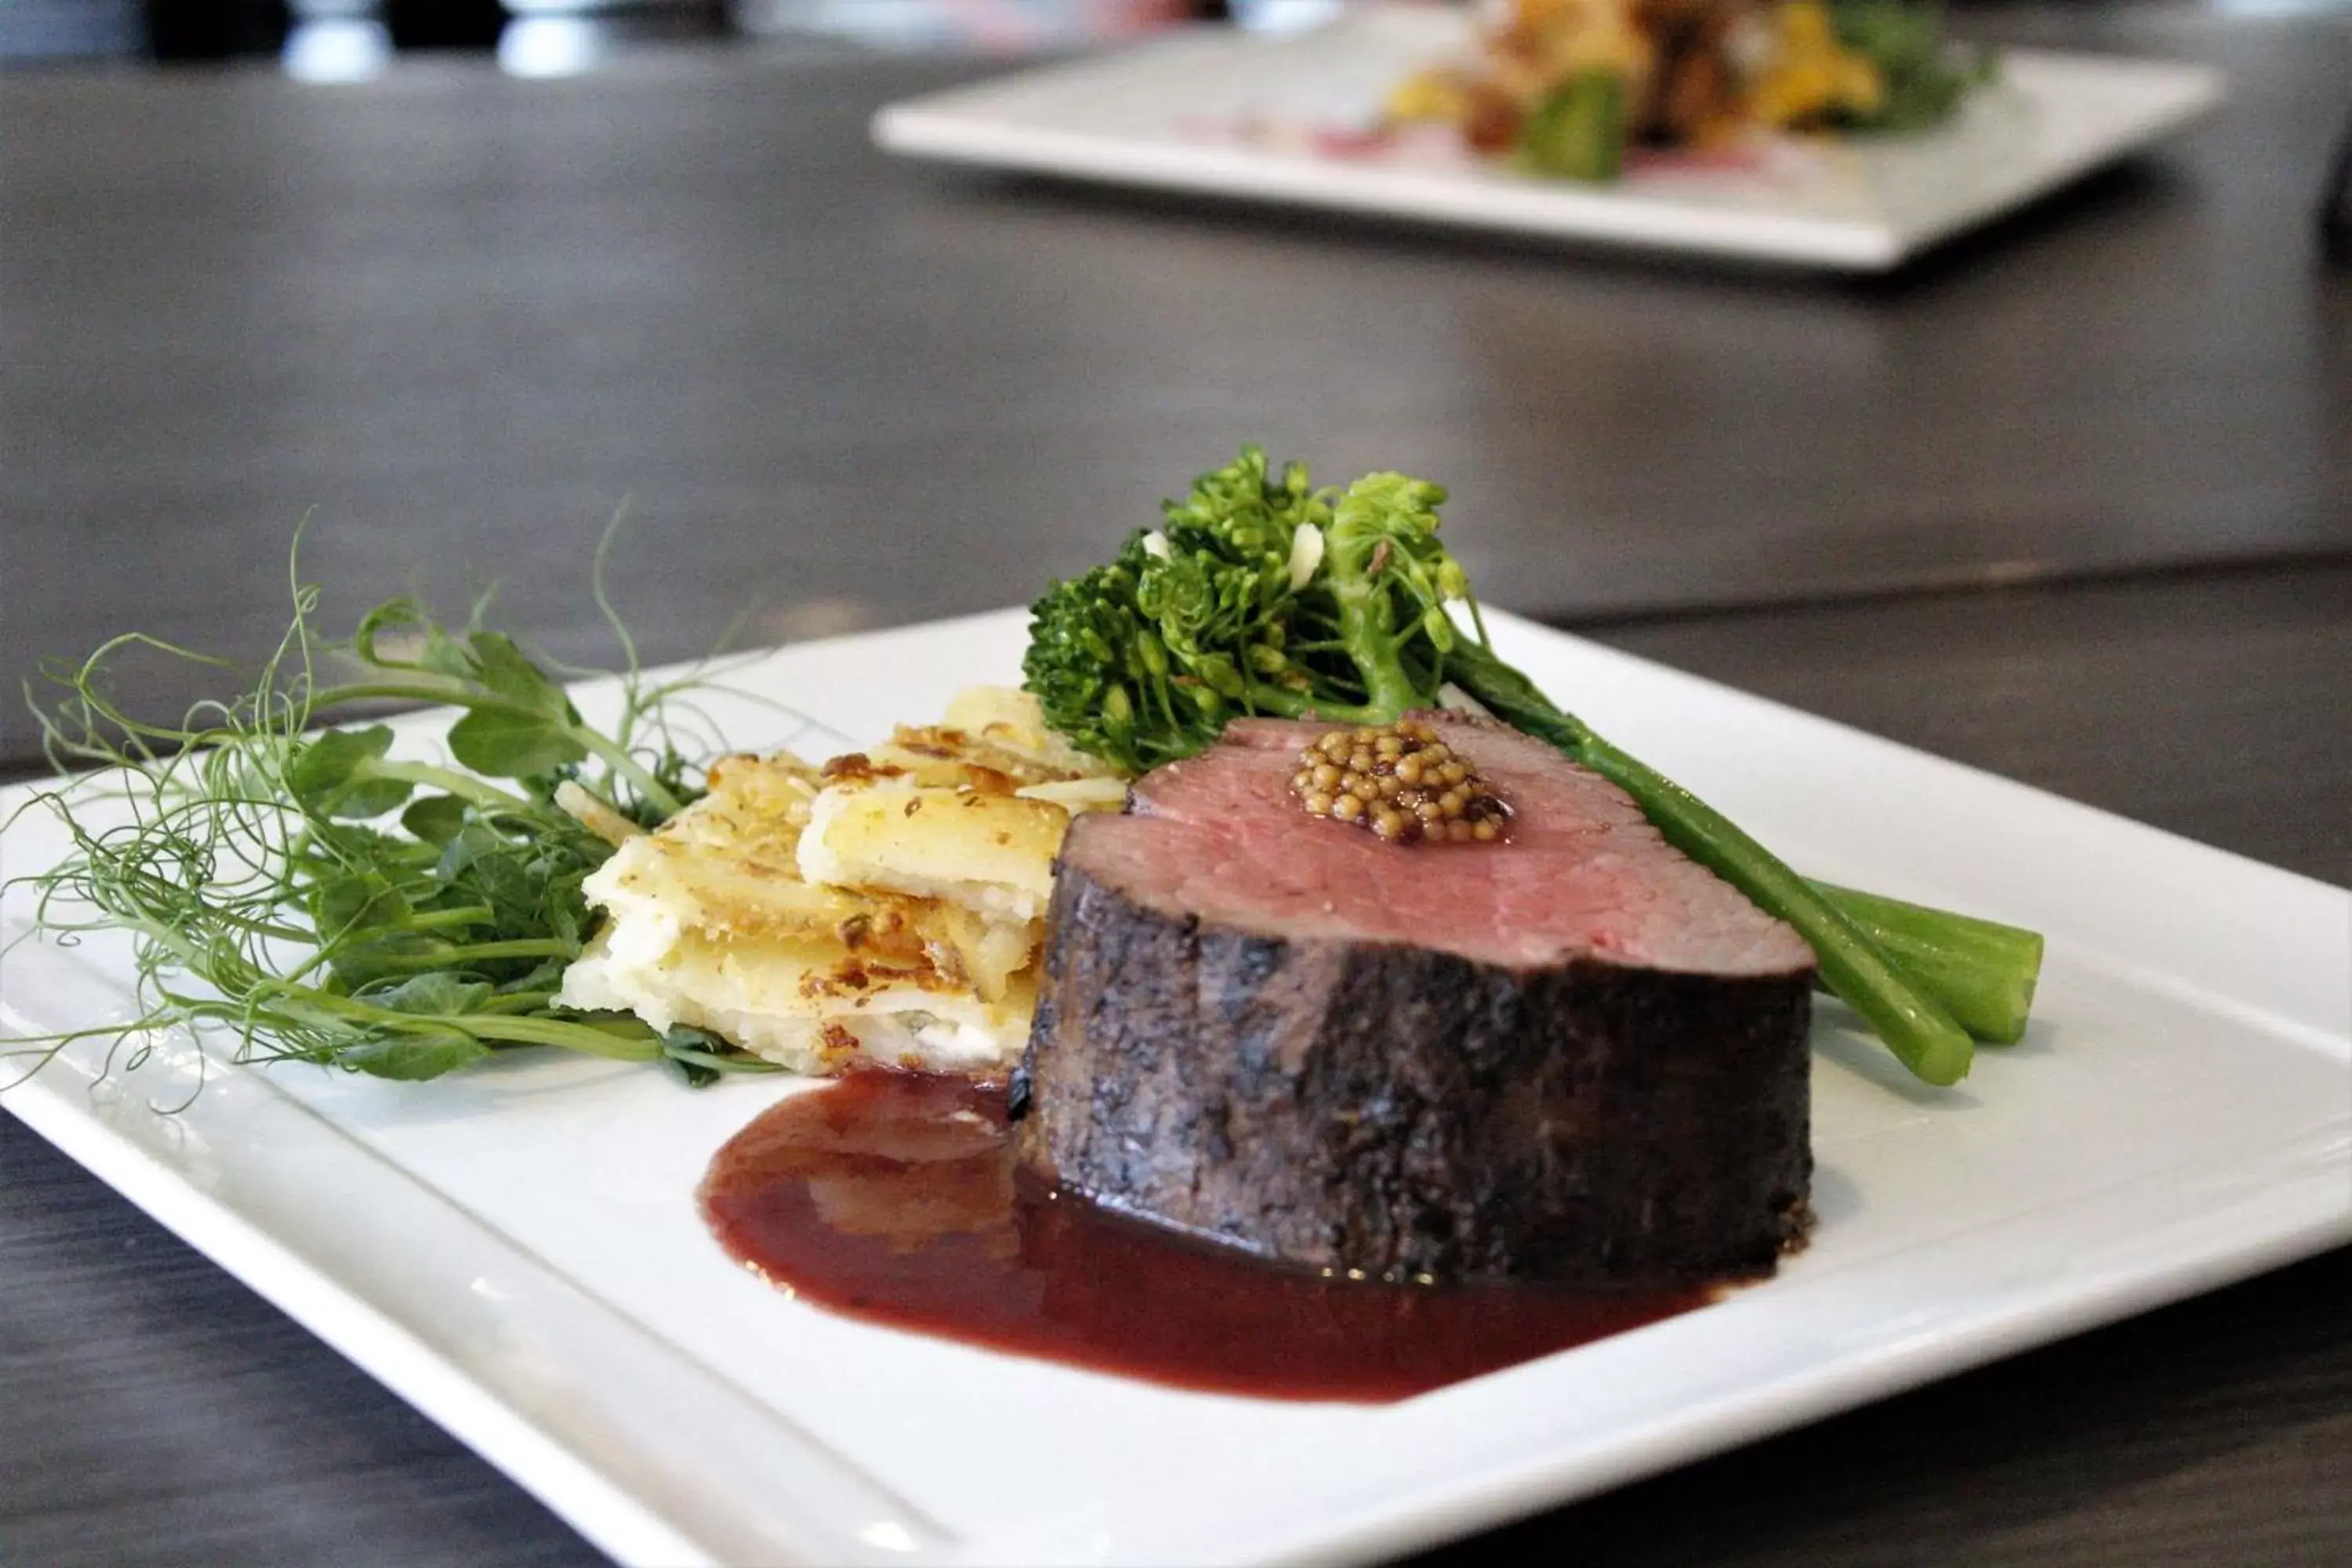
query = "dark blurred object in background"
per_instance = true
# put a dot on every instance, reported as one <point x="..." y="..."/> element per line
<point x="2335" y="204"/>
<point x="445" y="24"/>
<point x="214" y="29"/>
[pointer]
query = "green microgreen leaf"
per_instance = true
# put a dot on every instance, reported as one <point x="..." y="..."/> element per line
<point x="686" y="1059"/>
<point x="502" y="669"/>
<point x="363" y="901"/>
<point x="508" y="744"/>
<point x="435" y="993"/>
<point x="411" y="1057"/>
<point x="546" y="976"/>
<point x="702" y="1058"/>
<point x="364" y="962"/>
<point x="331" y="774"/>
<point x="435" y="818"/>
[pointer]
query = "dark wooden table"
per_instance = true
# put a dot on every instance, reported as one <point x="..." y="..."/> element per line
<point x="2071" y="501"/>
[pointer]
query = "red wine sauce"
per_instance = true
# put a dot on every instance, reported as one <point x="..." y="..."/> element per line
<point x="894" y="1197"/>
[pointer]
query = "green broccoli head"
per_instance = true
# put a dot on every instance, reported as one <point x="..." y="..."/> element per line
<point x="1095" y="666"/>
<point x="1259" y="593"/>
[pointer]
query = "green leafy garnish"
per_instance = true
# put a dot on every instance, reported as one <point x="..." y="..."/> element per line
<point x="287" y="876"/>
<point x="1924" y="75"/>
<point x="1261" y="593"/>
<point x="1578" y="131"/>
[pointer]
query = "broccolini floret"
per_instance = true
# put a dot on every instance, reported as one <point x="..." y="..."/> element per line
<point x="1258" y="594"/>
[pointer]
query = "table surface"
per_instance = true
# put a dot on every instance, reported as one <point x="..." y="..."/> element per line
<point x="2071" y="501"/>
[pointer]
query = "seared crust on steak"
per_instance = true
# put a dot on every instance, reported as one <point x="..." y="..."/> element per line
<point x="1409" y="1113"/>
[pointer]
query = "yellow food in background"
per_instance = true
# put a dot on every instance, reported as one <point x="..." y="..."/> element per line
<point x="1440" y="94"/>
<point x="1538" y="45"/>
<point x="1695" y="72"/>
<point x="1810" y="76"/>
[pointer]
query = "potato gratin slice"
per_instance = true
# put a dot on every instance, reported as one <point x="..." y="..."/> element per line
<point x="885" y="907"/>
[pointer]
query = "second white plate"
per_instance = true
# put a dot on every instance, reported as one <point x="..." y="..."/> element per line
<point x="1237" y="114"/>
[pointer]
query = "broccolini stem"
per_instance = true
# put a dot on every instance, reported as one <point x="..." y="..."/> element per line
<point x="1365" y="617"/>
<point x="1981" y="971"/>
<point x="1914" y="1025"/>
<point x="1277" y="703"/>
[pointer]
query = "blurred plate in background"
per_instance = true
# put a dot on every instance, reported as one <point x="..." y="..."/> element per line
<point x="1288" y="119"/>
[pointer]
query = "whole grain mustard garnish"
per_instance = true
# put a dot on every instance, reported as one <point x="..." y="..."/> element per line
<point x="1401" y="782"/>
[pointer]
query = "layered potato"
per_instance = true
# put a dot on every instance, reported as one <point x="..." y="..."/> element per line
<point x="884" y="907"/>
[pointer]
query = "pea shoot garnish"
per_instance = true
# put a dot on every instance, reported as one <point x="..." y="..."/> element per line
<point x="292" y="879"/>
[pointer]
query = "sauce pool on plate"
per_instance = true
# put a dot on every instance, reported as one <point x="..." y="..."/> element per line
<point x="894" y="1197"/>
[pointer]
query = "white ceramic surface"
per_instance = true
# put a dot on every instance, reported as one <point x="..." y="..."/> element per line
<point x="1148" y="116"/>
<point x="515" y="1250"/>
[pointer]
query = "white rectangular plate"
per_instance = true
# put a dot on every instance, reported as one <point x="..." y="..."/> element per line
<point x="1166" y="115"/>
<point x="515" y="1249"/>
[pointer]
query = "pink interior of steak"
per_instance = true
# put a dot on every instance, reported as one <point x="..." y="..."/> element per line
<point x="1581" y="872"/>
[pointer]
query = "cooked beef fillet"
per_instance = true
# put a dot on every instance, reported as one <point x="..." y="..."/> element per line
<point x="1573" y="1055"/>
